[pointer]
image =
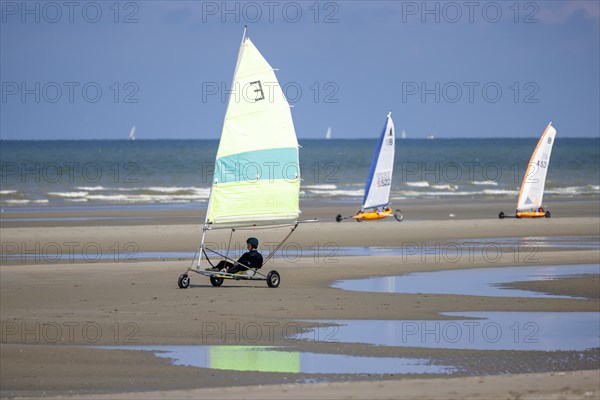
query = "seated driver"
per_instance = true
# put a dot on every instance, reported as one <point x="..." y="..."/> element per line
<point x="250" y="259"/>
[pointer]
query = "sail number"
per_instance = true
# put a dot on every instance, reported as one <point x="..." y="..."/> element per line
<point x="384" y="178"/>
<point x="258" y="90"/>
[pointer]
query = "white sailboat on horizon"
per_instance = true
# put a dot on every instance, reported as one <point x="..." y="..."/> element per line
<point x="328" y="133"/>
<point x="132" y="134"/>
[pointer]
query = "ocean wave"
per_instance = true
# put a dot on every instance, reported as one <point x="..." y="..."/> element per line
<point x="169" y="189"/>
<point x="68" y="194"/>
<point x="573" y="190"/>
<point x="152" y="189"/>
<point x="145" y="198"/>
<point x="5" y="192"/>
<point x="484" y="183"/>
<point x="501" y="192"/>
<point x="91" y="188"/>
<point x="413" y="193"/>
<point x="351" y="193"/>
<point x="452" y="188"/>
<point x="16" y="201"/>
<point x="417" y="184"/>
<point x="320" y="187"/>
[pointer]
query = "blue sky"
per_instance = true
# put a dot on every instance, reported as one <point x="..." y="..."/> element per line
<point x="92" y="70"/>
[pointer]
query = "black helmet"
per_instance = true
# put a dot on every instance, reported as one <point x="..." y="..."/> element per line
<point x="252" y="242"/>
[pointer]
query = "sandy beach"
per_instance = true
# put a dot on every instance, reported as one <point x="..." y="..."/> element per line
<point x="55" y="311"/>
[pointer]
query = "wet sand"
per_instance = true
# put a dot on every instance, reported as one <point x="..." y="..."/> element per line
<point x="52" y="312"/>
<point x="580" y="286"/>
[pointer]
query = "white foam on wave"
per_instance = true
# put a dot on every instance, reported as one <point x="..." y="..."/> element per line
<point x="320" y="187"/>
<point x="15" y="201"/>
<point x="146" y="198"/>
<point x="352" y="193"/>
<point x="170" y="189"/>
<point x="501" y="192"/>
<point x="108" y="197"/>
<point x="90" y="188"/>
<point x="68" y="194"/>
<point x="452" y="188"/>
<point x="417" y="184"/>
<point x="484" y="183"/>
<point x="3" y="192"/>
<point x="159" y="189"/>
<point x="164" y="194"/>
<point x="573" y="190"/>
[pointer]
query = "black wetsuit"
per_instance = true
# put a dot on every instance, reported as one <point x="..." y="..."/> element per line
<point x="251" y="259"/>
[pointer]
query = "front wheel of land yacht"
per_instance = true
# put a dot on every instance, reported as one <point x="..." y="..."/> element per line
<point x="547" y="214"/>
<point x="501" y="215"/>
<point x="216" y="282"/>
<point x="184" y="281"/>
<point x="398" y="215"/>
<point x="338" y="218"/>
<point x="273" y="279"/>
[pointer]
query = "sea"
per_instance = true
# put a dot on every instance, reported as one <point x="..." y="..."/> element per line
<point x="179" y="173"/>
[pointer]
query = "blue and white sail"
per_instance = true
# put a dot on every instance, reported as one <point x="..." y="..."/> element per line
<point x="379" y="183"/>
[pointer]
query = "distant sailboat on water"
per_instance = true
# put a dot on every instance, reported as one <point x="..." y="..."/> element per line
<point x="431" y="136"/>
<point x="403" y="135"/>
<point x="132" y="134"/>
<point x="531" y="194"/>
<point x="328" y="133"/>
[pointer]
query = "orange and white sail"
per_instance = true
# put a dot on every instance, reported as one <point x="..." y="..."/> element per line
<point x="532" y="188"/>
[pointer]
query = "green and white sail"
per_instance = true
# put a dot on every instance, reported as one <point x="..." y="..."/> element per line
<point x="257" y="174"/>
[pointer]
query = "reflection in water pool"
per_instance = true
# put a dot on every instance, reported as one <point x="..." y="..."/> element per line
<point x="546" y="331"/>
<point x="276" y="359"/>
<point x="473" y="282"/>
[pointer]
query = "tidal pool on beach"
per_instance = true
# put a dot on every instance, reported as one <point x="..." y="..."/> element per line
<point x="469" y="282"/>
<point x="523" y="331"/>
<point x="278" y="359"/>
